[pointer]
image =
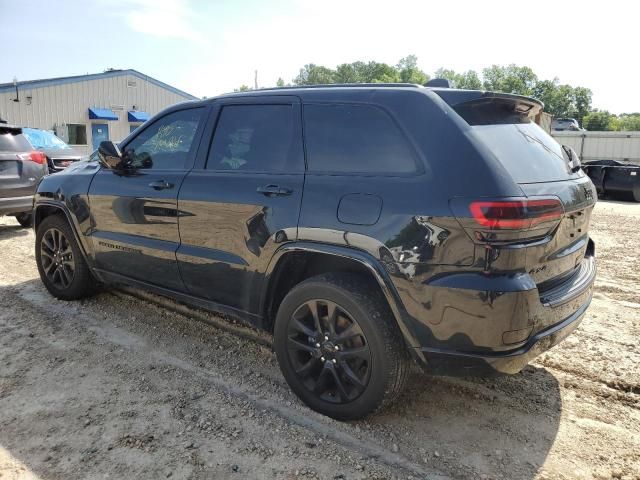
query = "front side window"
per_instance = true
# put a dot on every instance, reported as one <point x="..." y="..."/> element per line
<point x="165" y="144"/>
<point x="355" y="139"/>
<point x="257" y="138"/>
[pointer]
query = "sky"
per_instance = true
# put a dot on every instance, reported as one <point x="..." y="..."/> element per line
<point x="210" y="47"/>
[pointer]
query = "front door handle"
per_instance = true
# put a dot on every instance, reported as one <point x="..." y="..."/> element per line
<point x="161" y="185"/>
<point x="274" y="190"/>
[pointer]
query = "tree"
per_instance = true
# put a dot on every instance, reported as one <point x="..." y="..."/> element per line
<point x="467" y="80"/>
<point x="599" y="121"/>
<point x="312" y="74"/>
<point x="629" y="122"/>
<point x="241" y="88"/>
<point x="509" y="79"/>
<point x="409" y="72"/>
<point x="280" y="82"/>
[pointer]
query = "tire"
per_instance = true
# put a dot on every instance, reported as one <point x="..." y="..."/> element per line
<point x="25" y="219"/>
<point x="364" y="351"/>
<point x="58" y="251"/>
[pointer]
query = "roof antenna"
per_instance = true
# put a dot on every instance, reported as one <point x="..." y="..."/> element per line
<point x="15" y="84"/>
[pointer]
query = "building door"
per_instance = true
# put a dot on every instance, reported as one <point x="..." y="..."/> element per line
<point x="99" y="133"/>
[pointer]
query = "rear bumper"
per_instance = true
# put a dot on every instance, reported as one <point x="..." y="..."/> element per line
<point x="13" y="205"/>
<point x="508" y="362"/>
<point x="495" y="324"/>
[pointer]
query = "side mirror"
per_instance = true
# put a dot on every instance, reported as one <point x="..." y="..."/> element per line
<point x="109" y="155"/>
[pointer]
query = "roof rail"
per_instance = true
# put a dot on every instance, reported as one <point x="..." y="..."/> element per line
<point x="340" y="85"/>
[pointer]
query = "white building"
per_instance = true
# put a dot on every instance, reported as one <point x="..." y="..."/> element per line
<point x="87" y="109"/>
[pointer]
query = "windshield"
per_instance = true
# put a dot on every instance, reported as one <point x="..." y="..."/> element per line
<point x="42" y="139"/>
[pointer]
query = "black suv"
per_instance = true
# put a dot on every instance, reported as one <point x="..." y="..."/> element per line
<point x="365" y="226"/>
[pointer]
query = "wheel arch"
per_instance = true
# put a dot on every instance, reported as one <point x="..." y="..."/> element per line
<point x="303" y="260"/>
<point x="47" y="209"/>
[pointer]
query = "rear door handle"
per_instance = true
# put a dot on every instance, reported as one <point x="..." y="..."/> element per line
<point x="274" y="190"/>
<point x="161" y="185"/>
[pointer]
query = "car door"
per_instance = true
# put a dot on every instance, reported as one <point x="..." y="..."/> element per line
<point x="242" y="199"/>
<point x="134" y="210"/>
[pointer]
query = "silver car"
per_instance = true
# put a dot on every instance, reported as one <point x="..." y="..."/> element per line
<point x="21" y="167"/>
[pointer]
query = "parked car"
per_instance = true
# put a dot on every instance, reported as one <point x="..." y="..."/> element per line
<point x="407" y="224"/>
<point x="59" y="154"/>
<point x="562" y="124"/>
<point x="20" y="170"/>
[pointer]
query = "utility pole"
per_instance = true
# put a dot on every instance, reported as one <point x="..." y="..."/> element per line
<point x="255" y="80"/>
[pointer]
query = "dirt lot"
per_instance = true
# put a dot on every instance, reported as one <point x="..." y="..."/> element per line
<point x="121" y="387"/>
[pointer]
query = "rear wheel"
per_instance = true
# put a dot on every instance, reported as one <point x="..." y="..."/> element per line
<point x="338" y="346"/>
<point x="25" y="219"/>
<point x="61" y="265"/>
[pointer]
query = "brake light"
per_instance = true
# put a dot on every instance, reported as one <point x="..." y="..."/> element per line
<point x="37" y="157"/>
<point x="515" y="215"/>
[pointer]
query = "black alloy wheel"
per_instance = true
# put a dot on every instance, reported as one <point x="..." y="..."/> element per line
<point x="57" y="258"/>
<point x="339" y="346"/>
<point x="329" y="351"/>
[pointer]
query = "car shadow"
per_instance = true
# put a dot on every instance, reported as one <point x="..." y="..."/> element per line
<point x="498" y="427"/>
<point x="10" y="231"/>
<point x="491" y="427"/>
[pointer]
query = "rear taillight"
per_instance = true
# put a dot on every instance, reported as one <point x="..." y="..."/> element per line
<point x="37" y="157"/>
<point x="515" y="215"/>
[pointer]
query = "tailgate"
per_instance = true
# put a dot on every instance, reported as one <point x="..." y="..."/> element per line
<point x="556" y="258"/>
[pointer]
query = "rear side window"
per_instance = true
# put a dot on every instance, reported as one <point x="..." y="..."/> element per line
<point x="355" y="139"/>
<point x="256" y="138"/>
<point x="10" y="142"/>
<point x="526" y="151"/>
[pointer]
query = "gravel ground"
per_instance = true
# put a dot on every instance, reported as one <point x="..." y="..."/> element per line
<point x="124" y="385"/>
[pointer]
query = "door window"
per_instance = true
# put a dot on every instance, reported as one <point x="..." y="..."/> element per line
<point x="355" y="139"/>
<point x="257" y="138"/>
<point x="165" y="144"/>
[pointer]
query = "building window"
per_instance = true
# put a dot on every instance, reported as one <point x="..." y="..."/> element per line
<point x="77" y="133"/>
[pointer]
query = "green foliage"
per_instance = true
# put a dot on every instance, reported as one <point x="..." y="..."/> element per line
<point x="312" y="74"/>
<point x="280" y="82"/>
<point x="600" y="120"/>
<point x="467" y="80"/>
<point x="629" y="122"/>
<point x="241" y="88"/>
<point x="509" y="79"/>
<point x="409" y="72"/>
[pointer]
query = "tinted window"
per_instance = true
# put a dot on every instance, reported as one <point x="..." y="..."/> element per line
<point x="166" y="143"/>
<point x="526" y="151"/>
<point x="77" y="134"/>
<point x="355" y="138"/>
<point x="10" y="142"/>
<point x="255" y="138"/>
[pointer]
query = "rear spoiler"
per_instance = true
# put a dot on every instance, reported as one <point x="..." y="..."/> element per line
<point x="490" y="108"/>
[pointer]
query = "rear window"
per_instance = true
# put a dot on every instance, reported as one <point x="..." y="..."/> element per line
<point x="355" y="139"/>
<point x="527" y="152"/>
<point x="14" y="143"/>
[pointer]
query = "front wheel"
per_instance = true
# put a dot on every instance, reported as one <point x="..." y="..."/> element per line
<point x="61" y="265"/>
<point x="338" y="346"/>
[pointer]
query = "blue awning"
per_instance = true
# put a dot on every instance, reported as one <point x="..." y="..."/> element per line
<point x="136" y="116"/>
<point x="102" y="114"/>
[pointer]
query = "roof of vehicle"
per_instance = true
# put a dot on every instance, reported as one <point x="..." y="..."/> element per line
<point x="452" y="96"/>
